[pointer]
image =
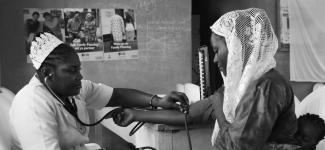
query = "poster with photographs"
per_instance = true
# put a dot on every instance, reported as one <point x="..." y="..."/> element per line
<point x="119" y="34"/>
<point x="95" y="34"/>
<point x="38" y="20"/>
<point x="284" y="25"/>
<point x="83" y="33"/>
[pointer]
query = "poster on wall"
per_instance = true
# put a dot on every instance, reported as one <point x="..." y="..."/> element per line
<point x="38" y="20"/>
<point x="119" y="34"/>
<point x="95" y="34"/>
<point x="284" y="25"/>
<point x="83" y="33"/>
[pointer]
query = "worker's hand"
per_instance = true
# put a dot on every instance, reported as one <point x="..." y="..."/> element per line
<point x="123" y="116"/>
<point x="174" y="100"/>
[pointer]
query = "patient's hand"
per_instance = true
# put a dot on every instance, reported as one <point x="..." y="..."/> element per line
<point x="124" y="116"/>
<point x="174" y="100"/>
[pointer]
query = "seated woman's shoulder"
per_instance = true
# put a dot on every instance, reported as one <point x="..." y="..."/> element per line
<point x="276" y="86"/>
<point x="274" y="78"/>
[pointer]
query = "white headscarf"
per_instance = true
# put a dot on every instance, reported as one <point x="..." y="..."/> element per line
<point x="251" y="44"/>
<point x="42" y="47"/>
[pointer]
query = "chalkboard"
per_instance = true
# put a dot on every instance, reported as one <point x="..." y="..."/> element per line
<point x="164" y="36"/>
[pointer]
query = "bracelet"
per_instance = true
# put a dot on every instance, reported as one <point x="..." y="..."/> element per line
<point x="151" y="99"/>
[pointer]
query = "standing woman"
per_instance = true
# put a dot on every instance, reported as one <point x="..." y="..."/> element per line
<point x="90" y="28"/>
<point x="129" y="26"/>
<point x="48" y="112"/>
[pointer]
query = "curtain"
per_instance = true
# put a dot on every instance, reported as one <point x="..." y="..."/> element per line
<point x="307" y="40"/>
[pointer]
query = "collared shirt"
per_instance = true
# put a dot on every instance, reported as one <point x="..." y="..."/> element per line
<point x="40" y="122"/>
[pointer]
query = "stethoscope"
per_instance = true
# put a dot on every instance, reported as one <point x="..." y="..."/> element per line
<point x="185" y="111"/>
<point x="73" y="110"/>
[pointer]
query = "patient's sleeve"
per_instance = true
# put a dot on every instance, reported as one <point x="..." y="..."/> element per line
<point x="203" y="110"/>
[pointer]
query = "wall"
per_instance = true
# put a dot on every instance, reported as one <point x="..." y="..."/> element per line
<point x="164" y="35"/>
<point x="165" y="53"/>
<point x="0" y="72"/>
<point x="17" y="72"/>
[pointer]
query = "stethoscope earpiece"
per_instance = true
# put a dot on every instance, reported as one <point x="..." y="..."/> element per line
<point x="50" y="75"/>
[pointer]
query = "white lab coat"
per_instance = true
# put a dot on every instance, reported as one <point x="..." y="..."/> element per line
<point x="41" y="123"/>
<point x="6" y="98"/>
